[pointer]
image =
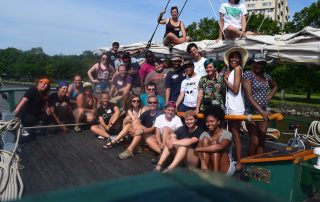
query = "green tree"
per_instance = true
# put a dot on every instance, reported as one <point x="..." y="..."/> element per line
<point x="308" y="16"/>
<point x="262" y="24"/>
<point x="207" y="28"/>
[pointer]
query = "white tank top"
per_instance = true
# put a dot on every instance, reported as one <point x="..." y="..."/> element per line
<point x="234" y="102"/>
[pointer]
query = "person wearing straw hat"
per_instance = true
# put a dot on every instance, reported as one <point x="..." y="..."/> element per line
<point x="235" y="59"/>
<point x="256" y="84"/>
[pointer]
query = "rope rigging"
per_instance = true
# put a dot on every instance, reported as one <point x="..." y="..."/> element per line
<point x="11" y="185"/>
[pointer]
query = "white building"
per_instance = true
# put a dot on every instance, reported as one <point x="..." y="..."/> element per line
<point x="277" y="9"/>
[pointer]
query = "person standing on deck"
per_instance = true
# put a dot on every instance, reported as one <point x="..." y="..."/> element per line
<point x="174" y="79"/>
<point x="187" y="99"/>
<point x="112" y="55"/>
<point x="211" y="88"/>
<point x="103" y="73"/>
<point x="158" y="77"/>
<point x="32" y="108"/>
<point x="142" y="128"/>
<point x="74" y="89"/>
<point x="256" y="84"/>
<point x="198" y="60"/>
<point x="132" y="69"/>
<point x="173" y="28"/>
<point x="146" y="67"/>
<point x="235" y="60"/>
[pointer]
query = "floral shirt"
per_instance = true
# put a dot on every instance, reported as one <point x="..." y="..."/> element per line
<point x="213" y="91"/>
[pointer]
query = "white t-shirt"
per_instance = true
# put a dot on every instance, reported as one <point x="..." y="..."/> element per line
<point x="190" y="88"/>
<point x="234" y="102"/>
<point x="233" y="14"/>
<point x="199" y="67"/>
<point x="161" y="122"/>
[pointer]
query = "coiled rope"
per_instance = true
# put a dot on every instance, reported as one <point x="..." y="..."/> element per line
<point x="313" y="135"/>
<point x="11" y="185"/>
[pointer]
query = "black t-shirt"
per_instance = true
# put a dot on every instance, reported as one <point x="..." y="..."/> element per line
<point x="55" y="101"/>
<point x="35" y="104"/>
<point x="173" y="81"/>
<point x="182" y="133"/>
<point x="147" y="120"/>
<point x="112" y="57"/>
<point x="106" y="112"/>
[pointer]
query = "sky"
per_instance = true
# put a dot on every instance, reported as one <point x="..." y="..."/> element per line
<point x="73" y="26"/>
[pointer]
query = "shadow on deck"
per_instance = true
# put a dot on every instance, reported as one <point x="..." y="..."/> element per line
<point x="60" y="161"/>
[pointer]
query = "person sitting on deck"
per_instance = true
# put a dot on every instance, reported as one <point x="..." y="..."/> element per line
<point x="134" y="111"/>
<point x="174" y="79"/>
<point x="173" y="28"/>
<point x="32" y="108"/>
<point x="198" y="60"/>
<point x="232" y="20"/>
<point x="59" y="106"/>
<point x="151" y="89"/>
<point x="158" y="76"/>
<point x="86" y="106"/>
<point x="165" y="124"/>
<point x="142" y="127"/>
<point x="108" y="114"/>
<point x="103" y="74"/>
<point x="187" y="99"/>
<point x="120" y="87"/>
<point x="74" y="89"/>
<point x="182" y="143"/>
<point x="214" y="150"/>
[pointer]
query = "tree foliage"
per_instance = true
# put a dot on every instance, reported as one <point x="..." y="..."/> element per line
<point x="207" y="28"/>
<point x="28" y="65"/>
<point x="308" y="16"/>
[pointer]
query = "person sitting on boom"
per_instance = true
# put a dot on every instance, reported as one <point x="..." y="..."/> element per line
<point x="173" y="28"/>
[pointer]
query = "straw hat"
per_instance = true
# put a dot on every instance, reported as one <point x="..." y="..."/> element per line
<point x="87" y="85"/>
<point x="243" y="52"/>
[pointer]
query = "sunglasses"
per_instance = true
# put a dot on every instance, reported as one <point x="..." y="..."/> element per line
<point x="135" y="101"/>
<point x="153" y="103"/>
<point x="151" y="89"/>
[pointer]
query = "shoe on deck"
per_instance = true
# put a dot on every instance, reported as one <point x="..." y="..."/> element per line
<point x="125" y="155"/>
<point x="77" y="129"/>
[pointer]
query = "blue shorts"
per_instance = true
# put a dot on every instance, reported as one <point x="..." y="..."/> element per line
<point x="102" y="85"/>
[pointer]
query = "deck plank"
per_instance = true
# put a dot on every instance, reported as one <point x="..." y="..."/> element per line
<point x="59" y="161"/>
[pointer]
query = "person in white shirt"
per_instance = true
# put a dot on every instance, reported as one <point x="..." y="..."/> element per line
<point x="233" y="20"/>
<point x="187" y="99"/>
<point x="235" y="60"/>
<point x="198" y="60"/>
<point x="165" y="124"/>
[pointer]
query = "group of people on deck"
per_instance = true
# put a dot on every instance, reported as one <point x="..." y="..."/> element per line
<point x="139" y="99"/>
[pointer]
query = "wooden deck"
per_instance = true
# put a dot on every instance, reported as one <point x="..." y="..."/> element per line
<point x="59" y="161"/>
